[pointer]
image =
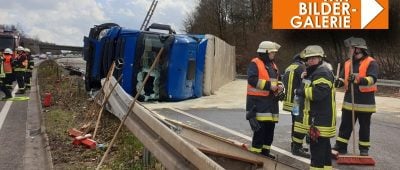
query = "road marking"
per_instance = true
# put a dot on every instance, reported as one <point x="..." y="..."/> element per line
<point x="6" y="108"/>
<point x="282" y="151"/>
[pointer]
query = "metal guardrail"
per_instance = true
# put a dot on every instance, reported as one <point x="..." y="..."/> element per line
<point x="183" y="149"/>
<point x="391" y="83"/>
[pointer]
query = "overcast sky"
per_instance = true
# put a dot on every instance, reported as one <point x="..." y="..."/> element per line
<point x="66" y="22"/>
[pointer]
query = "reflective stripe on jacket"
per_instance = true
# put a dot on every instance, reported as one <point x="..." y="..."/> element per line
<point x="2" y="73"/>
<point x="291" y="80"/>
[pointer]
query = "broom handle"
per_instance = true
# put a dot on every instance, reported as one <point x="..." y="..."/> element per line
<point x="352" y="107"/>
<point x="103" y="103"/>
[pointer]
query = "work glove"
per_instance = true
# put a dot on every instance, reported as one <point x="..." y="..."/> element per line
<point x="314" y="133"/>
<point x="251" y="116"/>
<point x="338" y="82"/>
<point x="281" y="96"/>
<point x="353" y="78"/>
<point x="255" y="126"/>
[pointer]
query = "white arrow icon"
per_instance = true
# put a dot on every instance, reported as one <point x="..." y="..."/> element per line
<point x="369" y="10"/>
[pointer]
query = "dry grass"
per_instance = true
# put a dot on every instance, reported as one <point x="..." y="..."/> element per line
<point x="71" y="109"/>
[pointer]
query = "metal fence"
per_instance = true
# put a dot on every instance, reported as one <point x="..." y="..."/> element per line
<point x="381" y="82"/>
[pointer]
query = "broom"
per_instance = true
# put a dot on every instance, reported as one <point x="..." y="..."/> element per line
<point x="354" y="159"/>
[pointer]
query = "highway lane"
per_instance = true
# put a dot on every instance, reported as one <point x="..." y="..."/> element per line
<point x="12" y="133"/>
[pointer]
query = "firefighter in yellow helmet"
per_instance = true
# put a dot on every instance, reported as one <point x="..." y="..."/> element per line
<point x="364" y="76"/>
<point x="263" y="93"/>
<point x="292" y="80"/>
<point x="317" y="115"/>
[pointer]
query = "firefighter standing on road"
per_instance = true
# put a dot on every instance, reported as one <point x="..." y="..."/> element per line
<point x="317" y="106"/>
<point x="365" y="74"/>
<point x="20" y="64"/>
<point x="7" y="52"/>
<point x="292" y="80"/>
<point x="263" y="93"/>
<point x="8" y="70"/>
<point x="28" y="73"/>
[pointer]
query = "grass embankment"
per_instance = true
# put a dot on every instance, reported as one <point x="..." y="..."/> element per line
<point x="71" y="109"/>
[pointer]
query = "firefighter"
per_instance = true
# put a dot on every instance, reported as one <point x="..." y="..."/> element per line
<point x="263" y="93"/>
<point x="20" y="64"/>
<point x="317" y="106"/>
<point x="3" y="87"/>
<point x="364" y="77"/>
<point x="8" y="70"/>
<point x="292" y="80"/>
<point x="28" y="73"/>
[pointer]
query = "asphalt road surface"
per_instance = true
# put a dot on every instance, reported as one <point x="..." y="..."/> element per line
<point x="12" y="133"/>
<point x="223" y="114"/>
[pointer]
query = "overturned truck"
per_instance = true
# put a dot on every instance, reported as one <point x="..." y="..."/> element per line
<point x="190" y="66"/>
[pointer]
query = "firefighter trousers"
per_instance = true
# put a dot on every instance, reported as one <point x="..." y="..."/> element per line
<point x="345" y="129"/>
<point x="297" y="137"/>
<point x="9" y="79"/>
<point x="262" y="139"/>
<point x="27" y="78"/>
<point x="19" y="75"/>
<point x="321" y="154"/>
<point x="4" y="89"/>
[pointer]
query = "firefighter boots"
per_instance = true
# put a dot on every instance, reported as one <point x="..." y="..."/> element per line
<point x="266" y="152"/>
<point x="298" y="150"/>
<point x="341" y="148"/>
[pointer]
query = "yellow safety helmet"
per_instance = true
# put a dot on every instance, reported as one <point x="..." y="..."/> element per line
<point x="311" y="51"/>
<point x="355" y="42"/>
<point x="268" y="46"/>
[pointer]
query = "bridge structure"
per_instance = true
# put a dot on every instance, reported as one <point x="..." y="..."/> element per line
<point x="41" y="48"/>
<point x="51" y="47"/>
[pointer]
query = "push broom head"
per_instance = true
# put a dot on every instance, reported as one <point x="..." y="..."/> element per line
<point x="355" y="160"/>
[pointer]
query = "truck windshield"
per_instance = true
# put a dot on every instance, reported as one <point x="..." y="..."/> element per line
<point x="6" y="42"/>
<point x="152" y="44"/>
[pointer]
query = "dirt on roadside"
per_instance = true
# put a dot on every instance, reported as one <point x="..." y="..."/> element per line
<point x="71" y="108"/>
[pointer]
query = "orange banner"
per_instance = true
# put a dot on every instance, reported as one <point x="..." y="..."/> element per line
<point x="330" y="14"/>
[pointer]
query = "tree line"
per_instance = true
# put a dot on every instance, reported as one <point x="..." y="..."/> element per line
<point x="245" y="23"/>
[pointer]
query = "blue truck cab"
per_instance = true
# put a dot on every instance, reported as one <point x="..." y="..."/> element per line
<point x="177" y="76"/>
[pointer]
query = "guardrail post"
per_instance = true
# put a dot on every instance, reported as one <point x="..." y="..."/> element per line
<point x="146" y="157"/>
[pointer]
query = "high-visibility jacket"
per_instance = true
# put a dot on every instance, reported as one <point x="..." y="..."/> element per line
<point x="2" y="73"/>
<point x="318" y="104"/>
<point x="20" y="63"/>
<point x="292" y="80"/>
<point x="364" y="90"/>
<point x="263" y="78"/>
<point x="261" y="75"/>
<point x="7" y="63"/>
<point x="362" y="73"/>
